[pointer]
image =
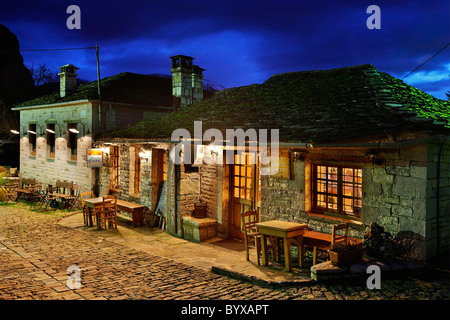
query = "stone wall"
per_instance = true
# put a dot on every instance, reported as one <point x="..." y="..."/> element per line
<point x="290" y="200"/>
<point x="400" y="195"/>
<point x="119" y="116"/>
<point x="395" y="197"/>
<point x="189" y="190"/>
<point x="126" y="176"/>
<point x="209" y="188"/>
<point x="46" y="169"/>
<point x="438" y="214"/>
<point x="173" y="199"/>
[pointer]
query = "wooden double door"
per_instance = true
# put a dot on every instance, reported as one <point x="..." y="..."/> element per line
<point x="245" y="189"/>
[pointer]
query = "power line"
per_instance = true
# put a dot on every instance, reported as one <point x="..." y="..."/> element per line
<point x="427" y="60"/>
<point x="59" y="49"/>
<point x="52" y="49"/>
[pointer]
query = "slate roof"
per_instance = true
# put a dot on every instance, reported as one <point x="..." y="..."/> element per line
<point x="127" y="87"/>
<point x="311" y="106"/>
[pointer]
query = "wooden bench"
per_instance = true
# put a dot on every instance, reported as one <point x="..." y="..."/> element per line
<point x="137" y="211"/>
<point x="320" y="241"/>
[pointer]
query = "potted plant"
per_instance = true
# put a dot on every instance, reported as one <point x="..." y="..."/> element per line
<point x="346" y="253"/>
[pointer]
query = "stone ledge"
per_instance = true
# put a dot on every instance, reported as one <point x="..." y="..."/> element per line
<point x="198" y="230"/>
<point x="326" y="271"/>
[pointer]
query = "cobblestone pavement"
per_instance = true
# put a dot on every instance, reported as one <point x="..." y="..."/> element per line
<point x="35" y="253"/>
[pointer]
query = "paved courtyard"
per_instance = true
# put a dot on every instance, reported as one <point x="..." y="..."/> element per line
<point x="36" y="249"/>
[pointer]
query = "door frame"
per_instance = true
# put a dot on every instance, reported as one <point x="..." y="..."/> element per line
<point x="252" y="202"/>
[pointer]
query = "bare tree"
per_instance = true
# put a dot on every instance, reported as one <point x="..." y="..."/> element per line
<point x="42" y="74"/>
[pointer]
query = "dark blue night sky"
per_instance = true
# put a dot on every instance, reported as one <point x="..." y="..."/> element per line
<point x="238" y="42"/>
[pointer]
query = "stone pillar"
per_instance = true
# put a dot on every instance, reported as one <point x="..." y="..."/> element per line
<point x="68" y="80"/>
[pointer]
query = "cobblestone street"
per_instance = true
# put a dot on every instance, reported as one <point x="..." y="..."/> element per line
<point x="35" y="253"/>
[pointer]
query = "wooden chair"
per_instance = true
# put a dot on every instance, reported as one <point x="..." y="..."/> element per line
<point x="108" y="212"/>
<point x="87" y="214"/>
<point x="69" y="194"/>
<point x="73" y="196"/>
<point x="10" y="192"/>
<point x="50" y="197"/>
<point x="251" y="236"/>
<point x="34" y="193"/>
<point x="335" y="238"/>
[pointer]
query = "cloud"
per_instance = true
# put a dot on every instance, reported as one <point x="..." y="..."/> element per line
<point x="430" y="76"/>
<point x="237" y="42"/>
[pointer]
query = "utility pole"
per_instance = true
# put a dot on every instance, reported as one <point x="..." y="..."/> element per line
<point x="102" y="117"/>
<point x="96" y="171"/>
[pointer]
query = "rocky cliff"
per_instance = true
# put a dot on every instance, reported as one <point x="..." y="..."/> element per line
<point x="16" y="82"/>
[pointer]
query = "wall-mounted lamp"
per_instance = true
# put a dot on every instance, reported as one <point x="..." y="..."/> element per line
<point x="34" y="132"/>
<point x="18" y="132"/>
<point x="75" y="130"/>
<point x="53" y="131"/>
<point x="145" y="155"/>
<point x="214" y="149"/>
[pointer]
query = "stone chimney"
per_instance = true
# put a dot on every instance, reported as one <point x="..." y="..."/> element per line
<point x="68" y="80"/>
<point x="197" y="84"/>
<point x="187" y="80"/>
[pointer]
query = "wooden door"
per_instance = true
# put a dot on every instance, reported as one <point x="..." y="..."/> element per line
<point x="114" y="155"/>
<point x="245" y="190"/>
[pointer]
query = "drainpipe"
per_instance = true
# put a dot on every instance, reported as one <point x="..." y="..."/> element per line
<point x="438" y="173"/>
<point x="175" y="196"/>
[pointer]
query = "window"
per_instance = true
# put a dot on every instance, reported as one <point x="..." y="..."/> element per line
<point x="337" y="189"/>
<point x="137" y="170"/>
<point x="32" y="139"/>
<point x="51" y="141"/>
<point x="114" y="167"/>
<point x="72" y="141"/>
<point x="164" y="166"/>
<point x="243" y="176"/>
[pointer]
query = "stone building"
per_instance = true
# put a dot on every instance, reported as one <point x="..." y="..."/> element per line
<point x="58" y="129"/>
<point x="355" y="145"/>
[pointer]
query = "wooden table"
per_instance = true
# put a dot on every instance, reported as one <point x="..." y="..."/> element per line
<point x="137" y="211"/>
<point x="94" y="204"/>
<point x="285" y="230"/>
<point x="27" y="191"/>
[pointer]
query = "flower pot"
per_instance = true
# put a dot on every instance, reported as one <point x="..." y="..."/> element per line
<point x="199" y="211"/>
<point x="347" y="257"/>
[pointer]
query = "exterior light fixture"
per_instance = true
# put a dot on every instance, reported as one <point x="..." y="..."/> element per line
<point x="145" y="155"/>
<point x="53" y="131"/>
<point x="35" y="132"/>
<point x="75" y="130"/>
<point x="22" y="130"/>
